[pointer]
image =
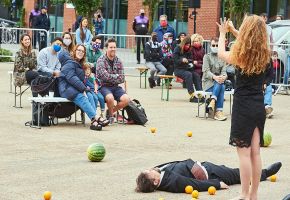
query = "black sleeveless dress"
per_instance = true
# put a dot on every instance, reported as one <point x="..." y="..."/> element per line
<point x="248" y="109"/>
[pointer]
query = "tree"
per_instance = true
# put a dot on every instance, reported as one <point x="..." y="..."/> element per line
<point x="85" y="8"/>
<point x="236" y="9"/>
<point x="152" y="5"/>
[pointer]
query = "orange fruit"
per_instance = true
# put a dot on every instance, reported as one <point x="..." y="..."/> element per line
<point x="47" y="195"/>
<point x="153" y="130"/>
<point x="194" y="194"/>
<point x="189" y="133"/>
<point x="211" y="190"/>
<point x="273" y="178"/>
<point x="188" y="189"/>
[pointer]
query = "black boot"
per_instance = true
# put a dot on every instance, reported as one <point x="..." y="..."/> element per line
<point x="151" y="82"/>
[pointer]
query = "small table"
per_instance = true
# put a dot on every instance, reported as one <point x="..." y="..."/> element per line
<point x="143" y="72"/>
<point x="165" y="82"/>
<point x="40" y="102"/>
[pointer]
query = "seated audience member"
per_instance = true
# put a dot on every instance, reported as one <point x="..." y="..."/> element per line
<point x="175" y="176"/>
<point x="197" y="53"/>
<point x="153" y="57"/>
<point x="68" y="42"/>
<point x="94" y="51"/>
<point x="268" y="90"/>
<point x="25" y="61"/>
<point x="110" y="72"/>
<point x="91" y="82"/>
<point x="278" y="68"/>
<point x="71" y="85"/>
<point x="183" y="68"/>
<point x="47" y="61"/>
<point x="214" y="76"/>
<point x="179" y="39"/>
<point x="167" y="52"/>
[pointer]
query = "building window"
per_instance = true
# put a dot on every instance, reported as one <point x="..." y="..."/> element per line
<point x="175" y="10"/>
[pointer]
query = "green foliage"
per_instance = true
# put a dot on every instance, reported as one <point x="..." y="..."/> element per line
<point x="5" y="52"/>
<point x="152" y="8"/>
<point x="21" y="22"/>
<point x="86" y="8"/>
<point x="6" y="3"/>
<point x="236" y="9"/>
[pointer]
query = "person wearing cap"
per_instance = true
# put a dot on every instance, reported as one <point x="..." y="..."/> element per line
<point x="153" y="57"/>
<point x="175" y="176"/>
<point x="163" y="28"/>
<point x="43" y="22"/>
<point x="140" y="27"/>
<point x="167" y="52"/>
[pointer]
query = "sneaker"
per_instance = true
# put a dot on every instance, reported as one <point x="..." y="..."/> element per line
<point x="219" y="115"/>
<point x="151" y="82"/>
<point x="211" y="109"/>
<point x="269" y="111"/>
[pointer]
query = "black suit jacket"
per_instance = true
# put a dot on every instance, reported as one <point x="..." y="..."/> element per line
<point x="178" y="175"/>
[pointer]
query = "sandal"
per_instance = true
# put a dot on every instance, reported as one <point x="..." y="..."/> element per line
<point x="103" y="122"/>
<point x="96" y="126"/>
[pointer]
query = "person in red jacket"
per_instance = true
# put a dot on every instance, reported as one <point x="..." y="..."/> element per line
<point x="197" y="53"/>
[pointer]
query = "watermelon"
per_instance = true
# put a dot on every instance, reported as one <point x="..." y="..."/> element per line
<point x="96" y="152"/>
<point x="267" y="139"/>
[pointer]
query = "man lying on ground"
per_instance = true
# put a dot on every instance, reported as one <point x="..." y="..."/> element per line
<point x="175" y="176"/>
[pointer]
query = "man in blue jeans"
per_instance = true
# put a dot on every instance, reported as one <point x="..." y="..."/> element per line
<point x="213" y="78"/>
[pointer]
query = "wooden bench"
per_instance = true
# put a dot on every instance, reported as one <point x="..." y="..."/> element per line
<point x="41" y="101"/>
<point x="16" y="94"/>
<point x="205" y="94"/>
<point x="143" y="73"/>
<point x="165" y="83"/>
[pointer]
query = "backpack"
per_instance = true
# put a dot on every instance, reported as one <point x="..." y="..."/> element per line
<point x="136" y="112"/>
<point x="43" y="84"/>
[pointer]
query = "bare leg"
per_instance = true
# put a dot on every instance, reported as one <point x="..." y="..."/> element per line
<point x="110" y="103"/>
<point x="245" y="170"/>
<point x="256" y="164"/>
<point x="124" y="100"/>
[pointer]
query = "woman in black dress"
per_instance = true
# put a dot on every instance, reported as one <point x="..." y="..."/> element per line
<point x="251" y="54"/>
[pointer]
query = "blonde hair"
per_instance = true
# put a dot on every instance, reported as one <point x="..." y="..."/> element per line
<point x="251" y="52"/>
<point x="196" y="37"/>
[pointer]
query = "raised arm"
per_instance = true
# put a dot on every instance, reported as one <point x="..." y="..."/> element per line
<point x="222" y="53"/>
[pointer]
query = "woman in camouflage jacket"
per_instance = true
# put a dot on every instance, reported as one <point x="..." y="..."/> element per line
<point x="25" y="60"/>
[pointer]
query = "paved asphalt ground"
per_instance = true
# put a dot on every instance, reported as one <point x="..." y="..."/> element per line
<point x="54" y="158"/>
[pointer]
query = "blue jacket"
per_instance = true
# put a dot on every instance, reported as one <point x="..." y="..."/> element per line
<point x="160" y="32"/>
<point x="70" y="81"/>
<point x="87" y="39"/>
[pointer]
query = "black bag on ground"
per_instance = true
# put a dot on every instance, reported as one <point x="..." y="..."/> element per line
<point x="43" y="84"/>
<point x="136" y="112"/>
<point x="63" y="110"/>
<point x="43" y="115"/>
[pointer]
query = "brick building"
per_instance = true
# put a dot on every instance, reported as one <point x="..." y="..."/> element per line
<point x="63" y="16"/>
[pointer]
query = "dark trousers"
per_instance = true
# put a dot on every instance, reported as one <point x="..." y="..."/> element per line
<point x="190" y="78"/>
<point x="169" y="65"/>
<point x="42" y="40"/>
<point x="139" y="40"/>
<point x="229" y="176"/>
<point x="34" y="39"/>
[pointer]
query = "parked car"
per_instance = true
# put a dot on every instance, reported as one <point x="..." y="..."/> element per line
<point x="281" y="38"/>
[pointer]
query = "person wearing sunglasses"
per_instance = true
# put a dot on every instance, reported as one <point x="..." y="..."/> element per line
<point x="213" y="79"/>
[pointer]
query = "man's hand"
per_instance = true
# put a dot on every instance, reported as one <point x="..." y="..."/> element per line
<point x="195" y="62"/>
<point x="224" y="186"/>
<point x="219" y="79"/>
<point x="184" y="60"/>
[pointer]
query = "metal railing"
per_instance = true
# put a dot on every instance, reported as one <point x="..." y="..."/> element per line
<point x="10" y="38"/>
